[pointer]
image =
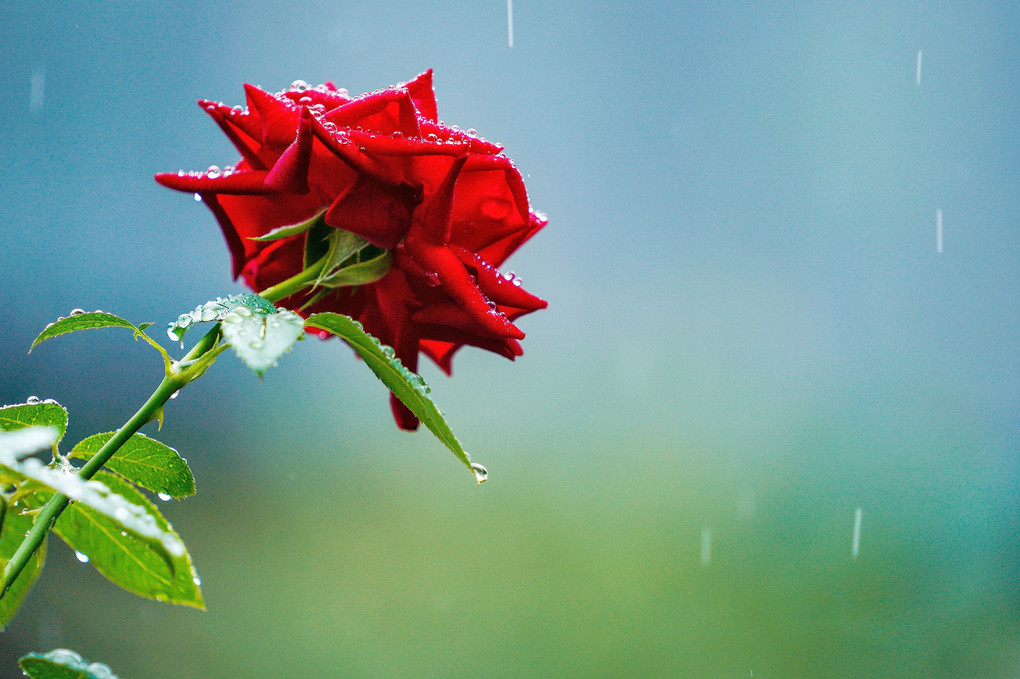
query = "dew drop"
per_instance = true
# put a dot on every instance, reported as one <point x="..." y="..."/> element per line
<point x="84" y="558"/>
<point x="299" y="85"/>
<point x="197" y="580"/>
<point x="323" y="334"/>
<point x="174" y="395"/>
<point x="198" y="197"/>
<point x="471" y="132"/>
<point x="32" y="400"/>
<point x="481" y="473"/>
<point x="207" y="314"/>
<point x="213" y="171"/>
<point x="163" y="496"/>
<point x="76" y="312"/>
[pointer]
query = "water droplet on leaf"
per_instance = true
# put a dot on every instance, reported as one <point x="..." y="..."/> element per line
<point x="82" y="557"/>
<point x="163" y="496"/>
<point x="481" y="473"/>
<point x="76" y="312"/>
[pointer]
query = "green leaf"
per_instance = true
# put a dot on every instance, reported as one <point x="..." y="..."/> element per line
<point x="408" y="386"/>
<point x="15" y="526"/>
<point x="260" y="340"/>
<point x="82" y="321"/>
<point x="131" y="517"/>
<point x="359" y="273"/>
<point x="125" y="560"/>
<point x="45" y="414"/>
<point x="61" y="663"/>
<point x="144" y="462"/>
<point x="317" y="242"/>
<point x="342" y="246"/>
<point x="291" y="230"/>
<point x="216" y="310"/>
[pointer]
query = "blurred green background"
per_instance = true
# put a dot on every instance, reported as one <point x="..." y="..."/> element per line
<point x="751" y="334"/>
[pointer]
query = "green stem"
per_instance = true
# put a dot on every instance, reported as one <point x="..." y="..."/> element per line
<point x="275" y="293"/>
<point x="150" y="410"/>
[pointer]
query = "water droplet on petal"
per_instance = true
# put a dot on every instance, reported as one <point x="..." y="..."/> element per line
<point x="471" y="132"/>
<point x="481" y="473"/>
<point x="198" y="197"/>
<point x="299" y="85"/>
<point x="82" y="557"/>
<point x="213" y="171"/>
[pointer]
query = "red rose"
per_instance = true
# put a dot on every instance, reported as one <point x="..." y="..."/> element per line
<point x="441" y="207"/>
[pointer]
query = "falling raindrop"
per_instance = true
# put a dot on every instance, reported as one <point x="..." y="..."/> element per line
<point x="82" y="557"/>
<point x="706" y="547"/>
<point x="510" y="22"/>
<point x="855" y="540"/>
<point x="481" y="473"/>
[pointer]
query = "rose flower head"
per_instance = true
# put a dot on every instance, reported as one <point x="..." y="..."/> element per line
<point x="393" y="217"/>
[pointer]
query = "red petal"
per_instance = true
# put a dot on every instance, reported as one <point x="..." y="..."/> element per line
<point x="426" y="245"/>
<point x="423" y="95"/>
<point x="279" y="119"/>
<point x="290" y="173"/>
<point x="503" y="290"/>
<point x="342" y="146"/>
<point x="229" y="120"/>
<point x="386" y="112"/>
<point x="236" y="183"/>
<point x="375" y="211"/>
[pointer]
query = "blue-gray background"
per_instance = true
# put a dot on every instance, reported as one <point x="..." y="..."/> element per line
<point x="750" y="335"/>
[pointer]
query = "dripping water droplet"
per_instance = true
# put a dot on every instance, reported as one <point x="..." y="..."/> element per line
<point x="481" y="473"/>
<point x="84" y="558"/>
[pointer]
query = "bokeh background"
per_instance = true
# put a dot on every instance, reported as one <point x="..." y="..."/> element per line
<point x="751" y="335"/>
